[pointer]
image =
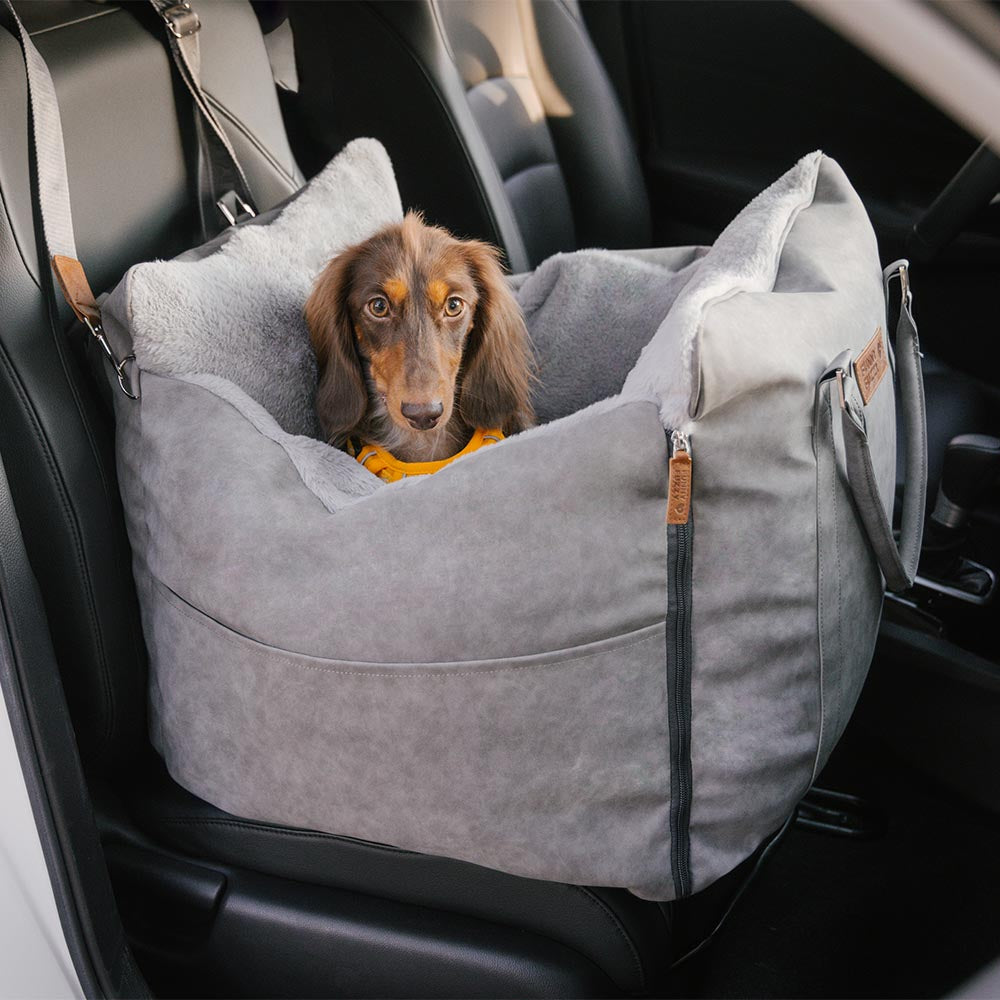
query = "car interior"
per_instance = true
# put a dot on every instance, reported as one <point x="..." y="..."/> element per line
<point x="541" y="126"/>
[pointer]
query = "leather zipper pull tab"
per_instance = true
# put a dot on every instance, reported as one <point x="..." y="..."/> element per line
<point x="679" y="480"/>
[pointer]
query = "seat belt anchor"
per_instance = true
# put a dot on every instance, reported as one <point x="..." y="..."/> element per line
<point x="181" y="20"/>
<point x="234" y="208"/>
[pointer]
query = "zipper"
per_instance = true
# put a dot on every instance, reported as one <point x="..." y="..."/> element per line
<point x="680" y="531"/>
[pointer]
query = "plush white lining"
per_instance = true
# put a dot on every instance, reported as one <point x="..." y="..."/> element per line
<point x="743" y="259"/>
<point x="237" y="313"/>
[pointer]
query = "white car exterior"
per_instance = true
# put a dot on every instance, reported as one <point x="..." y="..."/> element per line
<point x="34" y="960"/>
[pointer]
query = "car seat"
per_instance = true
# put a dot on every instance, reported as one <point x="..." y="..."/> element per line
<point x="531" y="148"/>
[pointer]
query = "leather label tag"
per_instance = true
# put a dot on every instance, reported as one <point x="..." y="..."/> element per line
<point x="679" y="489"/>
<point x="871" y="366"/>
<point x="75" y="288"/>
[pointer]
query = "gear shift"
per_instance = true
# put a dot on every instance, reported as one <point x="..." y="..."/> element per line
<point x="971" y="464"/>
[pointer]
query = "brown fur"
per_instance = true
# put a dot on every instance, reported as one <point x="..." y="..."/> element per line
<point x="478" y="364"/>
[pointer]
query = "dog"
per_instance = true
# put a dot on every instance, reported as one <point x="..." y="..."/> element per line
<point x="420" y="345"/>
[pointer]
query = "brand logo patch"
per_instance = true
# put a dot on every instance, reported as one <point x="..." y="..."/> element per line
<point x="679" y="489"/>
<point x="871" y="366"/>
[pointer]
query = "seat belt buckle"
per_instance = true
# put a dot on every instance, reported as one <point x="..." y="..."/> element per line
<point x="181" y="20"/>
<point x="234" y="208"/>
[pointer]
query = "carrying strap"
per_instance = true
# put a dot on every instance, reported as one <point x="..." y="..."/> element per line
<point x="898" y="561"/>
<point x="57" y="244"/>
<point x="224" y="192"/>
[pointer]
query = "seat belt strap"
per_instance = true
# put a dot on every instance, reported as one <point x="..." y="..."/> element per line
<point x="46" y="139"/>
<point x="223" y="186"/>
<point x="56" y="242"/>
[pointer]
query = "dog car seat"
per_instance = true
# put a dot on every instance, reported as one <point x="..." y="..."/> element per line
<point x="629" y="758"/>
<point x="693" y="565"/>
<point x="362" y="913"/>
<point x="673" y="684"/>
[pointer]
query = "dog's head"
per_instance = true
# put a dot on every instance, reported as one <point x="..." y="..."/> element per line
<point x="422" y="326"/>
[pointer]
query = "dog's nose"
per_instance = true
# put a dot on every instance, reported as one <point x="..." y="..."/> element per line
<point x="423" y="416"/>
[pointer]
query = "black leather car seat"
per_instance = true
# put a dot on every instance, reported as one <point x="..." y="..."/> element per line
<point x="214" y="904"/>
<point x="531" y="149"/>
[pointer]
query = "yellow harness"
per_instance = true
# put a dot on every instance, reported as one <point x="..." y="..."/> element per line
<point x="387" y="467"/>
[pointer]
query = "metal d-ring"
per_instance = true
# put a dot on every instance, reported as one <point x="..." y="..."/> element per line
<point x="120" y="372"/>
<point x="120" y="366"/>
<point x="899" y="269"/>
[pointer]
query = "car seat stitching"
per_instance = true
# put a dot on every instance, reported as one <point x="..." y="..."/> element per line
<point x="72" y="523"/>
<point x="252" y="138"/>
<point x="470" y="163"/>
<point x="617" y="924"/>
<point x="76" y="20"/>
<point x="17" y="243"/>
<point x="62" y="345"/>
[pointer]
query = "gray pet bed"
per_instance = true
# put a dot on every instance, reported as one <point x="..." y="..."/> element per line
<point x="577" y="690"/>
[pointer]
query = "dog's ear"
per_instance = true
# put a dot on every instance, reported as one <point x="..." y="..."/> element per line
<point x="341" y="399"/>
<point x="498" y="369"/>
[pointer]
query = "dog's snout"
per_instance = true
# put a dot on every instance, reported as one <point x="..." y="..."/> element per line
<point x="423" y="416"/>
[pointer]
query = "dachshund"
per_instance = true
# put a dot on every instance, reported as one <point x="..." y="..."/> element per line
<point x="420" y="344"/>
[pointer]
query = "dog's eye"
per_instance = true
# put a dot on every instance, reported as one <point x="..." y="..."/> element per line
<point x="378" y="306"/>
<point x="453" y="306"/>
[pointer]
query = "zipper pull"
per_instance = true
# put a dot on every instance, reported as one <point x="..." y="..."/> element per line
<point x="679" y="481"/>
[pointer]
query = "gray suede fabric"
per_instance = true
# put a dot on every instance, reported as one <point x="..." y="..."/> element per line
<point x="430" y="569"/>
<point x="473" y="663"/>
<point x="848" y="581"/>
<point x="758" y="688"/>
<point x="534" y="765"/>
<point x="413" y="667"/>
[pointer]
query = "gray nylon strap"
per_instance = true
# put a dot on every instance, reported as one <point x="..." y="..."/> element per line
<point x="220" y="170"/>
<point x="911" y="391"/>
<point x="47" y="140"/>
<point x="53" y="202"/>
<point x="898" y="562"/>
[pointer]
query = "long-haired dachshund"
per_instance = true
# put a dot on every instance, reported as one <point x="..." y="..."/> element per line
<point x="420" y="344"/>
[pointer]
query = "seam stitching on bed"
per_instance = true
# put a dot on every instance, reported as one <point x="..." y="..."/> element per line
<point x="273" y="657"/>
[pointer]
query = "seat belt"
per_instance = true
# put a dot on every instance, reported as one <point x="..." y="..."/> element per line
<point x="101" y="957"/>
<point x="224" y="192"/>
<point x="47" y="141"/>
<point x="56" y="242"/>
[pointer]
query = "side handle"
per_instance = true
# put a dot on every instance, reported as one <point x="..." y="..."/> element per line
<point x="897" y="561"/>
